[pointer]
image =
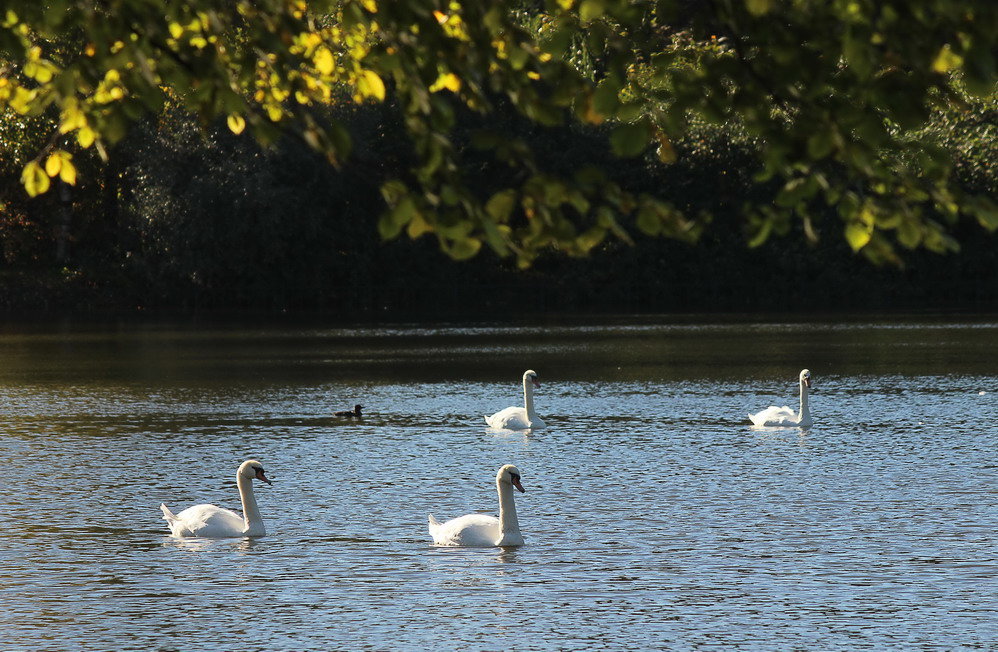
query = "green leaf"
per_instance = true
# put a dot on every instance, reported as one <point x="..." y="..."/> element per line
<point x="591" y="9"/>
<point x="392" y="222"/>
<point x="984" y="209"/>
<point x="759" y="7"/>
<point x="557" y="41"/>
<point x="630" y="139"/>
<point x="590" y="238"/>
<point x="605" y="98"/>
<point x="418" y="226"/>
<point x="648" y="221"/>
<point x="500" y="205"/>
<point x="464" y="248"/>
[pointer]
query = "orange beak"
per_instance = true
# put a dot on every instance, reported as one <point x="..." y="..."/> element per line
<point x="516" y="483"/>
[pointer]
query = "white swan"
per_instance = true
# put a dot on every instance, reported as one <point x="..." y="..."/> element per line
<point x="481" y="530"/>
<point x="216" y="523"/>
<point x="519" y="418"/>
<point x="784" y="416"/>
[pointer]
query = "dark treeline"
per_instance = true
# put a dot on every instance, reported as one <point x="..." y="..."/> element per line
<point x="186" y="219"/>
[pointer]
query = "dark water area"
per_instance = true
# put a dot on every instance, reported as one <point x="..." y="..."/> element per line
<point x="655" y="517"/>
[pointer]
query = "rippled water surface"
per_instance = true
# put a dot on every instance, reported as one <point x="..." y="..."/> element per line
<point x="655" y="516"/>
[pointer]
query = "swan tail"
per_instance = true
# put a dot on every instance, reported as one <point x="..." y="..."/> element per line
<point x="168" y="516"/>
<point x="433" y="522"/>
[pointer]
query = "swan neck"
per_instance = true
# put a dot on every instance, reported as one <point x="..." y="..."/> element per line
<point x="507" y="508"/>
<point x="803" y="399"/>
<point x="528" y="398"/>
<point x="251" y="513"/>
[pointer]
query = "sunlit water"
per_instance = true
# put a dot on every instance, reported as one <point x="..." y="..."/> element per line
<point x="655" y="516"/>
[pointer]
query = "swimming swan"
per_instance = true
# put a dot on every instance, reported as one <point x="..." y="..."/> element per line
<point x="519" y="418"/>
<point x="216" y="523"/>
<point x="481" y="530"/>
<point x="784" y="416"/>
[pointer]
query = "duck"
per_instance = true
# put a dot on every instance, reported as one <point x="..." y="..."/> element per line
<point x="355" y="412"/>
<point x="785" y="417"/>
<point x="520" y="418"/>
<point x="482" y="530"/>
<point x="213" y="522"/>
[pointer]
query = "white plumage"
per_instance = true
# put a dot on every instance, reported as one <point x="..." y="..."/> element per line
<point x="774" y="417"/>
<point x="213" y="522"/>
<point x="519" y="418"/>
<point x="482" y="530"/>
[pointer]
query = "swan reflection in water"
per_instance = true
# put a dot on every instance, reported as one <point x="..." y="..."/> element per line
<point x="198" y="544"/>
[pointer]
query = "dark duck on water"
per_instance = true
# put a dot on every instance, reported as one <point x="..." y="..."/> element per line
<point x="355" y="412"/>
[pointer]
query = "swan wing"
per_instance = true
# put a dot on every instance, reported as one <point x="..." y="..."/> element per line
<point x="512" y="418"/>
<point x="208" y="521"/>
<point x="473" y="530"/>
<point x="774" y="416"/>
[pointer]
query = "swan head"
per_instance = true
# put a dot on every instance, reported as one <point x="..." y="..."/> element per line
<point x="531" y="375"/>
<point x="805" y="377"/>
<point x="510" y="475"/>
<point x="251" y="469"/>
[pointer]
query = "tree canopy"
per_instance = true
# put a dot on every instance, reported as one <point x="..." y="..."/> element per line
<point x="836" y="96"/>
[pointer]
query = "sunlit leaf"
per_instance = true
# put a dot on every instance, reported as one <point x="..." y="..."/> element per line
<point x="370" y="85"/>
<point x="68" y="172"/>
<point x="946" y="60"/>
<point x="236" y="123"/>
<point x="858" y="235"/>
<point x="448" y="81"/>
<point x="34" y="179"/>
<point x="324" y="61"/>
<point x="85" y="136"/>
<point x="53" y="164"/>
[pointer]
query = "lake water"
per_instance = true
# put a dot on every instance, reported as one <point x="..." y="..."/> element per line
<point x="655" y="517"/>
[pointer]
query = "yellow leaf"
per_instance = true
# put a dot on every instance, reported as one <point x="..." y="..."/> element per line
<point x="418" y="226"/>
<point x="450" y="81"/>
<point x="72" y="119"/>
<point x="236" y="123"/>
<point x="21" y="100"/>
<point x="53" y="164"/>
<point x="858" y="235"/>
<point x="370" y="85"/>
<point x="68" y="172"/>
<point x="946" y="60"/>
<point x="35" y="181"/>
<point x="176" y="30"/>
<point x="324" y="61"/>
<point x="370" y="5"/>
<point x="85" y="137"/>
